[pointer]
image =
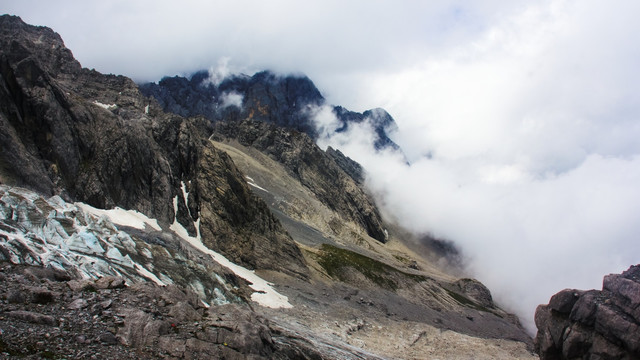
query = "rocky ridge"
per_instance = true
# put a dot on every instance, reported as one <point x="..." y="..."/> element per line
<point x="289" y="101"/>
<point x="312" y="167"/>
<point x="593" y="324"/>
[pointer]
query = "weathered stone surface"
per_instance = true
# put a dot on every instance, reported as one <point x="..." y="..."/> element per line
<point x="182" y="311"/>
<point x="592" y="324"/>
<point x="32" y="317"/>
<point x="78" y="304"/>
<point x="110" y="282"/>
<point x="313" y="168"/>
<point x="41" y="295"/>
<point x="476" y="291"/>
<point x="235" y="223"/>
<point x="563" y="301"/>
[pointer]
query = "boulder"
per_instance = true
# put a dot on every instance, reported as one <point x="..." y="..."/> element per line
<point x="595" y="324"/>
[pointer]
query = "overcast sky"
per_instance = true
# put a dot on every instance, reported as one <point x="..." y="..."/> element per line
<point x="528" y="110"/>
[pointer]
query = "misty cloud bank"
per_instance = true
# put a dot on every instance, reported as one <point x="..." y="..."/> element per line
<point x="520" y="119"/>
<point x="524" y="152"/>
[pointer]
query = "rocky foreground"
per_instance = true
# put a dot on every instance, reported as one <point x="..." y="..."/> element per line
<point x="46" y="314"/>
<point x="594" y="324"/>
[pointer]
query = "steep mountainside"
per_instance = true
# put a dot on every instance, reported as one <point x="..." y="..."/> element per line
<point x="135" y="232"/>
<point x="94" y="138"/>
<point x="312" y="167"/>
<point x="286" y="101"/>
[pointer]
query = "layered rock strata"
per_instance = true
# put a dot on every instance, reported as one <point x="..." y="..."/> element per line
<point x="593" y="324"/>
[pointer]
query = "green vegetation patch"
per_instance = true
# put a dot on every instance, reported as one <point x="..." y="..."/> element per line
<point x="335" y="261"/>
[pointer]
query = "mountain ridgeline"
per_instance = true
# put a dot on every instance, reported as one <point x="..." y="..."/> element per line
<point x="286" y="101"/>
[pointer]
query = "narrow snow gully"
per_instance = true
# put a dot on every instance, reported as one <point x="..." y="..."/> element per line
<point x="264" y="295"/>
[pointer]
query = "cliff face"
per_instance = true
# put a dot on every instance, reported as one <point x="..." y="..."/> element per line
<point x="96" y="139"/>
<point x="594" y="324"/>
<point x="315" y="169"/>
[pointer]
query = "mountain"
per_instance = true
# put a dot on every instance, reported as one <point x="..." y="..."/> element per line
<point x="94" y="138"/>
<point x="140" y="233"/>
<point x="286" y="101"/>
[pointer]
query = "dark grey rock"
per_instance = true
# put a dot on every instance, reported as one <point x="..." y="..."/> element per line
<point x="110" y="282"/>
<point x="108" y="338"/>
<point x="475" y="290"/>
<point x="32" y="317"/>
<point x="592" y="324"/>
<point x="16" y="296"/>
<point x="41" y="296"/>
<point x="182" y="311"/>
<point x="563" y="301"/>
<point x="78" y="304"/>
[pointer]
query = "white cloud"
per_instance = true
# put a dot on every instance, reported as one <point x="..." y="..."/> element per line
<point x="221" y="71"/>
<point x="532" y="132"/>
<point x="231" y="98"/>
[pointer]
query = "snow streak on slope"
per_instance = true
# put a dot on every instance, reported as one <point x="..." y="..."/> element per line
<point x="123" y="217"/>
<point x="264" y="293"/>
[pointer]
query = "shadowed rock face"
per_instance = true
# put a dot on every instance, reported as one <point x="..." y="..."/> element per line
<point x="594" y="324"/>
<point x="95" y="138"/>
<point x="281" y="100"/>
<point x="314" y="168"/>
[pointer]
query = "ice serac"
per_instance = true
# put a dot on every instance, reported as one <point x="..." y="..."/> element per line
<point x="96" y="139"/>
<point x="594" y="324"/>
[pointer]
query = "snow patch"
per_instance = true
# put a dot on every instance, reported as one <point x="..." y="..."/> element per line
<point x="105" y="106"/>
<point x="122" y="217"/>
<point x="146" y="109"/>
<point x="148" y="274"/>
<point x="252" y="182"/>
<point x="264" y="293"/>
<point x="257" y="186"/>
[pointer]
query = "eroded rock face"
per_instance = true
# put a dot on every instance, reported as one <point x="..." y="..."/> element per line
<point x="94" y="138"/>
<point x="595" y="324"/>
<point x="314" y="169"/>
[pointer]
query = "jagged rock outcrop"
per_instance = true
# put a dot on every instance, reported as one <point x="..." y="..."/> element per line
<point x="235" y="223"/>
<point x="95" y="138"/>
<point x="351" y="167"/>
<point x="286" y="101"/>
<point x="594" y="324"/>
<point x="312" y="167"/>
